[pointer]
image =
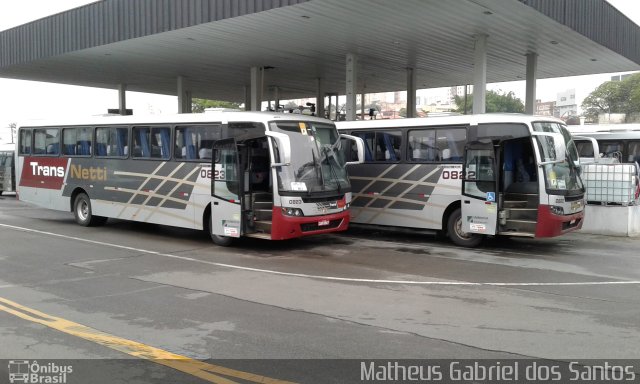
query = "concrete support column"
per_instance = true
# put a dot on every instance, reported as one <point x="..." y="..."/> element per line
<point x="480" y="74"/>
<point x="256" y="88"/>
<point x="362" y="106"/>
<point x="276" y="98"/>
<point x="247" y="98"/>
<point x="411" y="92"/>
<point x="352" y="84"/>
<point x="532" y="75"/>
<point x="122" y="99"/>
<point x="319" y="97"/>
<point x="184" y="96"/>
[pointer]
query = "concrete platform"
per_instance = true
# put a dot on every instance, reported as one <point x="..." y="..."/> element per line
<point x="612" y="220"/>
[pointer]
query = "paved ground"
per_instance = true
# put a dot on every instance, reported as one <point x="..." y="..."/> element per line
<point x="362" y="295"/>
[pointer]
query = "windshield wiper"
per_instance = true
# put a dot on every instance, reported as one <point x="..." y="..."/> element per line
<point x="326" y="151"/>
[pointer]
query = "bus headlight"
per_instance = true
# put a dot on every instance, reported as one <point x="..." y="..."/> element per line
<point x="292" y="212"/>
<point x="557" y="210"/>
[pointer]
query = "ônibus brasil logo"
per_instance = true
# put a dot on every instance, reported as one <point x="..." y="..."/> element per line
<point x="25" y="371"/>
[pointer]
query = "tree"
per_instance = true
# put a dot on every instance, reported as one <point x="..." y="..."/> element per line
<point x="614" y="97"/>
<point x="12" y="128"/>
<point x="495" y="102"/>
<point x="199" y="105"/>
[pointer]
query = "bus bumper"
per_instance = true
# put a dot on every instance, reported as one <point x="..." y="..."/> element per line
<point x="551" y="225"/>
<point x="289" y="227"/>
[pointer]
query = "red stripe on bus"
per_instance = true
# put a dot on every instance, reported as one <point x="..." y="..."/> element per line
<point x="43" y="172"/>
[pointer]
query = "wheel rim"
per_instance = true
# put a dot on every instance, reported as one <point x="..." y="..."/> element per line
<point x="459" y="232"/>
<point x="83" y="210"/>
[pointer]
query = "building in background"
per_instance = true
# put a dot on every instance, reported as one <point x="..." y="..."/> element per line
<point x="546" y="108"/>
<point x="566" y="104"/>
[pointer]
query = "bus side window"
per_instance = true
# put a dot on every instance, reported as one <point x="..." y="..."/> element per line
<point x="388" y="146"/>
<point x="25" y="142"/>
<point x="69" y="140"/>
<point x="369" y="140"/>
<point x="585" y="149"/>
<point x="46" y="141"/>
<point x="422" y="145"/>
<point x="633" y="152"/>
<point x="450" y="143"/>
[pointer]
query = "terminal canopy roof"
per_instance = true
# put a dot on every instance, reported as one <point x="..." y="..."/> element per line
<point x="212" y="44"/>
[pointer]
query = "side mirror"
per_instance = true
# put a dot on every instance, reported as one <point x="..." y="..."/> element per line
<point x="284" y="147"/>
<point x="360" y="147"/>
<point x="594" y="144"/>
<point x="553" y="148"/>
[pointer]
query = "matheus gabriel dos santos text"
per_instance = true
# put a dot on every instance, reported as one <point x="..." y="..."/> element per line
<point x="495" y="371"/>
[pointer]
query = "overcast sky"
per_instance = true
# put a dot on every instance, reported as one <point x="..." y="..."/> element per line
<point x="20" y="100"/>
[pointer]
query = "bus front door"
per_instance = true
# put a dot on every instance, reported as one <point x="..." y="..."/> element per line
<point x="479" y="189"/>
<point x="226" y="192"/>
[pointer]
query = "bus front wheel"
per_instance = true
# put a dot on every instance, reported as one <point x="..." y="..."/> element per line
<point x="223" y="241"/>
<point x="457" y="235"/>
<point x="83" y="213"/>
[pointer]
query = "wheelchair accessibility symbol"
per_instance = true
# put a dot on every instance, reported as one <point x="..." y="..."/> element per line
<point x="491" y="196"/>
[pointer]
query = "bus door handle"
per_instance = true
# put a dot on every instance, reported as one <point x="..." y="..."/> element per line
<point x="215" y="203"/>
<point x="467" y="201"/>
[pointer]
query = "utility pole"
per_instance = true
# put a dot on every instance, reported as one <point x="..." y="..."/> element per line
<point x="13" y="130"/>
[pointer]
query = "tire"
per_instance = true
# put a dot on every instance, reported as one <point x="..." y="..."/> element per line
<point x="223" y="241"/>
<point x="459" y="237"/>
<point x="83" y="213"/>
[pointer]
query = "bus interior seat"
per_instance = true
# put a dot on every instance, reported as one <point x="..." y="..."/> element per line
<point x="83" y="148"/>
<point x="191" y="152"/>
<point x="70" y="149"/>
<point x="156" y="152"/>
<point x="52" y="149"/>
<point x="205" y="153"/>
<point x="101" y="149"/>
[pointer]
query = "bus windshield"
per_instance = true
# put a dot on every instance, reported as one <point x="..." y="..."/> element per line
<point x="317" y="164"/>
<point x="563" y="175"/>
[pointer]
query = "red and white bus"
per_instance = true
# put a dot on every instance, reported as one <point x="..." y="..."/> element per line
<point x="265" y="175"/>
<point x="468" y="176"/>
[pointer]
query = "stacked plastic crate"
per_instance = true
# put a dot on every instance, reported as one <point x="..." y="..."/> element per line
<point x="611" y="184"/>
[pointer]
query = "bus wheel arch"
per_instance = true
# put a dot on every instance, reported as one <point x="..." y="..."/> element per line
<point x="223" y="241"/>
<point x="82" y="211"/>
<point x="452" y="219"/>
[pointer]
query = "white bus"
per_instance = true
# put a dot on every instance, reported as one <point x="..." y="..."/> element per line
<point x="7" y="168"/>
<point x="265" y="175"/>
<point x="620" y="142"/>
<point x="468" y="176"/>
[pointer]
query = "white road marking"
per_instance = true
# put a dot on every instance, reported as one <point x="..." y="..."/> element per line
<point x="318" y="277"/>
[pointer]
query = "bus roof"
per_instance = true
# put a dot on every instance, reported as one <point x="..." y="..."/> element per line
<point x="183" y="118"/>
<point x="604" y="129"/>
<point x="448" y="120"/>
<point x="610" y="135"/>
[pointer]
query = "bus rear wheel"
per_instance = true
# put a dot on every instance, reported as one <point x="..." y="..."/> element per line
<point x="457" y="235"/>
<point x="83" y="213"/>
